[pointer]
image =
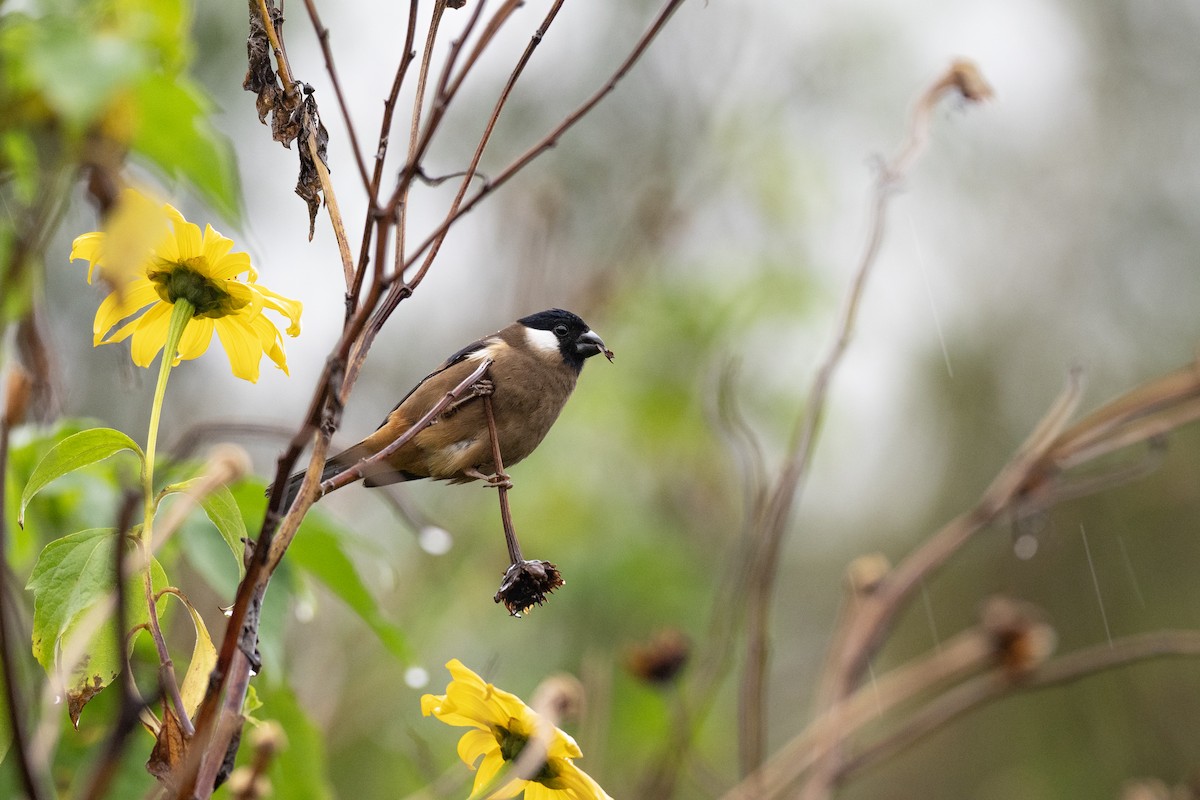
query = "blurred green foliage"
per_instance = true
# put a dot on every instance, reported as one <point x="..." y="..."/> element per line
<point x="84" y="86"/>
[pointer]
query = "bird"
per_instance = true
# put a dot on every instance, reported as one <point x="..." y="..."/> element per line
<point x="536" y="362"/>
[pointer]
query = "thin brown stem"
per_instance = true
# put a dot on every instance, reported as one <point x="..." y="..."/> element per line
<point x="549" y="140"/>
<point x="769" y="530"/>
<point x="34" y="783"/>
<point x="510" y="533"/>
<point x="132" y="704"/>
<point x="996" y="684"/>
<point x="323" y="37"/>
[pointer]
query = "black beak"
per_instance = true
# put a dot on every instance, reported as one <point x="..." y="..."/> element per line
<point x="589" y="344"/>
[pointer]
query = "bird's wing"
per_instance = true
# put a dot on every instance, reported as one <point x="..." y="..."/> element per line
<point x="460" y="356"/>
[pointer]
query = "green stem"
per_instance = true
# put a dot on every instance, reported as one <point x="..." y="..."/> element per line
<point x="181" y="314"/>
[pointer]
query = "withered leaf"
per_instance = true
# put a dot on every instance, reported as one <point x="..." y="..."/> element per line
<point x="79" y="695"/>
<point x="170" y="747"/>
<point x="260" y="76"/>
<point x="308" y="185"/>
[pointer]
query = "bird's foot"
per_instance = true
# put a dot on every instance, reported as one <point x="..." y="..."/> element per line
<point x="479" y="388"/>
<point x="497" y="481"/>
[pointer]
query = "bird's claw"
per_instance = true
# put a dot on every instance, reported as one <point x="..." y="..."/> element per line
<point x="499" y="481"/>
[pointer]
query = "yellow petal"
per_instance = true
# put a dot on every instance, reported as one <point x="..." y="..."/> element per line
<point x="562" y="746"/>
<point x="536" y="791"/>
<point x="431" y="703"/>
<point x="271" y="341"/>
<point x="290" y="309"/>
<point x="150" y="334"/>
<point x="133" y="229"/>
<point x="123" y="333"/>
<point x="241" y="345"/>
<point x="117" y="306"/>
<point x="196" y="338"/>
<point x="488" y="770"/>
<point x="570" y="781"/>
<point x="88" y="246"/>
<point x="188" y="242"/>
<point x="476" y="744"/>
<point x="231" y="265"/>
<point x="214" y="248"/>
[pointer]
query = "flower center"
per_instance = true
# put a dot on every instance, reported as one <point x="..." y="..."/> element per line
<point x="511" y="745"/>
<point x="174" y="281"/>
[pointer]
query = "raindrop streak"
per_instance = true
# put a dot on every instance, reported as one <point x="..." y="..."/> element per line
<point x="937" y="640"/>
<point x="1096" y="583"/>
<point x="1137" y="588"/>
<point x="937" y="323"/>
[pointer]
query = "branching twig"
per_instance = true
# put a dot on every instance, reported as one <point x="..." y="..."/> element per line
<point x="996" y="684"/>
<point x="323" y="37"/>
<point x="768" y="530"/>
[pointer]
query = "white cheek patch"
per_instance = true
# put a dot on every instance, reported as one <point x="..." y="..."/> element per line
<point x="542" y="341"/>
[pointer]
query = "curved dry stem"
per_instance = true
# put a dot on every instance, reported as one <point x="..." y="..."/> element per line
<point x="769" y="529"/>
<point x="995" y="684"/>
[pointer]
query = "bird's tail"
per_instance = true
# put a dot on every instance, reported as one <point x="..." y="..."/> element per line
<point x="336" y="464"/>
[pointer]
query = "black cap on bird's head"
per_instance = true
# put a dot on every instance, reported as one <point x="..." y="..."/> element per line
<point x="575" y="340"/>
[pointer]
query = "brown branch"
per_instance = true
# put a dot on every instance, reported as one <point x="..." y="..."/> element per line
<point x="132" y="705"/>
<point x="996" y="684"/>
<point x="323" y="37"/>
<point x="549" y="140"/>
<point x="34" y="783"/>
<point x="865" y="627"/>
<point x="769" y="530"/>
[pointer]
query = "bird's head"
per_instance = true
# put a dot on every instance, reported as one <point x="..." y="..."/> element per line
<point x="566" y="332"/>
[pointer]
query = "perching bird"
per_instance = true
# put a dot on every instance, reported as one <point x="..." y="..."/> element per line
<point x="536" y="361"/>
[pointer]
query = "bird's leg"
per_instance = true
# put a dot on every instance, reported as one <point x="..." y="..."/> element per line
<point x="497" y="481"/>
<point x="525" y="583"/>
<point x="503" y="483"/>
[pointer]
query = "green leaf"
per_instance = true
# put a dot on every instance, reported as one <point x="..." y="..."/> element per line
<point x="222" y="510"/>
<point x="79" y="68"/>
<point x="318" y="550"/>
<point x="299" y="771"/>
<point x="80" y="450"/>
<point x="175" y="134"/>
<point x="72" y="585"/>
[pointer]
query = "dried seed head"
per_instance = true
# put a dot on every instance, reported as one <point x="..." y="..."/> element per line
<point x="526" y="584"/>
<point x="865" y="573"/>
<point x="1021" y="641"/>
<point x="660" y="659"/>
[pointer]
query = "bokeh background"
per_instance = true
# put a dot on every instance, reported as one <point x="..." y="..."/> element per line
<point x="705" y="220"/>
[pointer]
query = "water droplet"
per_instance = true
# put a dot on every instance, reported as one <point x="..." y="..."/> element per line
<point x="434" y="540"/>
<point x="305" y="610"/>
<point x="58" y="697"/>
<point x="1025" y="547"/>
<point x="416" y="677"/>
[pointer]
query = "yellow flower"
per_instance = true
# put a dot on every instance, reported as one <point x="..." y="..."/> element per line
<point x="503" y="725"/>
<point x="155" y="257"/>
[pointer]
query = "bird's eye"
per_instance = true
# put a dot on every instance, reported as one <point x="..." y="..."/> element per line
<point x="560" y="331"/>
